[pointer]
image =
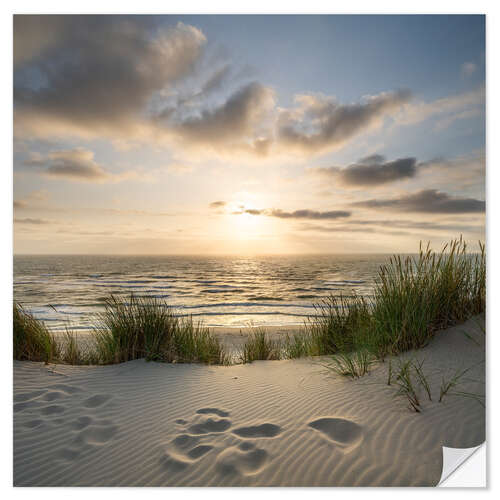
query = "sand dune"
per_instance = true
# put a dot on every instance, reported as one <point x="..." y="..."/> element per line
<point x="279" y="423"/>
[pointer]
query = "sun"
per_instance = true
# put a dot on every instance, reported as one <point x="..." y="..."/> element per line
<point x="245" y="221"/>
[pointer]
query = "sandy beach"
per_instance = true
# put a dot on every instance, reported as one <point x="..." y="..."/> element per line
<point x="268" y="423"/>
<point x="234" y="338"/>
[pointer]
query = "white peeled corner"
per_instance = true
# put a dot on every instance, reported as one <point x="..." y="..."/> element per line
<point x="456" y="471"/>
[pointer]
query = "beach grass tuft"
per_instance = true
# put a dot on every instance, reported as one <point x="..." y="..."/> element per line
<point x="450" y="383"/>
<point x="354" y="364"/>
<point x="146" y="327"/>
<point x="406" y="387"/>
<point x="74" y="351"/>
<point x="422" y="379"/>
<point x="337" y="324"/>
<point x="260" y="347"/>
<point x="32" y="340"/>
<point x="297" y="346"/>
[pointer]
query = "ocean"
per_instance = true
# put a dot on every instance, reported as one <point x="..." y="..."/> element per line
<point x="68" y="290"/>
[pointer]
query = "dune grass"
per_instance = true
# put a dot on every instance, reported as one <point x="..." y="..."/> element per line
<point x="127" y="329"/>
<point x="353" y="364"/>
<point x="75" y="352"/>
<point x="260" y="347"/>
<point x="146" y="327"/>
<point x="297" y="346"/>
<point x="448" y="384"/>
<point x="413" y="298"/>
<point x="337" y="324"/>
<point x="32" y="339"/>
<point x="406" y="385"/>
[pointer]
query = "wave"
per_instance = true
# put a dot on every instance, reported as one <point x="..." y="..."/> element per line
<point x="345" y="282"/>
<point x="264" y="297"/>
<point x="323" y="288"/>
<point x="247" y="313"/>
<point x="243" y="304"/>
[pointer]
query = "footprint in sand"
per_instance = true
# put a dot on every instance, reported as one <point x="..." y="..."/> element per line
<point x="244" y="459"/>
<point x="86" y="433"/>
<point x="210" y="425"/>
<point x="80" y="423"/>
<point x="258" y="431"/>
<point x="344" y="433"/>
<point x="182" y="451"/>
<point x="187" y="448"/>
<point x="34" y="399"/>
<point x="213" y="411"/>
<point x="90" y="435"/>
<point x="100" y="432"/>
<point x="97" y="400"/>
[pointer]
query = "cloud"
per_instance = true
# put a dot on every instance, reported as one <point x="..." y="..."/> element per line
<point x="462" y="172"/>
<point x="296" y="214"/>
<point x="216" y="80"/>
<point x="75" y="165"/>
<point x="96" y="73"/>
<point x="321" y="123"/>
<point x="34" y="36"/>
<point x="27" y="220"/>
<point x="371" y="171"/>
<point x="347" y="229"/>
<point x="468" y="68"/>
<point x="20" y="204"/>
<point x="399" y="227"/>
<point x="236" y="119"/>
<point x="217" y="204"/>
<point x="32" y="200"/>
<point x="412" y="224"/>
<point x="310" y="214"/>
<point x="447" y="109"/>
<point x="455" y="227"/>
<point x="426" y="201"/>
<point x="374" y="159"/>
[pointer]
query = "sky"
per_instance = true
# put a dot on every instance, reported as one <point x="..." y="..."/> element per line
<point x="247" y="134"/>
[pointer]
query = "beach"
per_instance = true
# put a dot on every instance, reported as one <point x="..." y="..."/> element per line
<point x="268" y="423"/>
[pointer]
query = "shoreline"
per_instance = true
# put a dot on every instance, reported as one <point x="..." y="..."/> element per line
<point x="232" y="337"/>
